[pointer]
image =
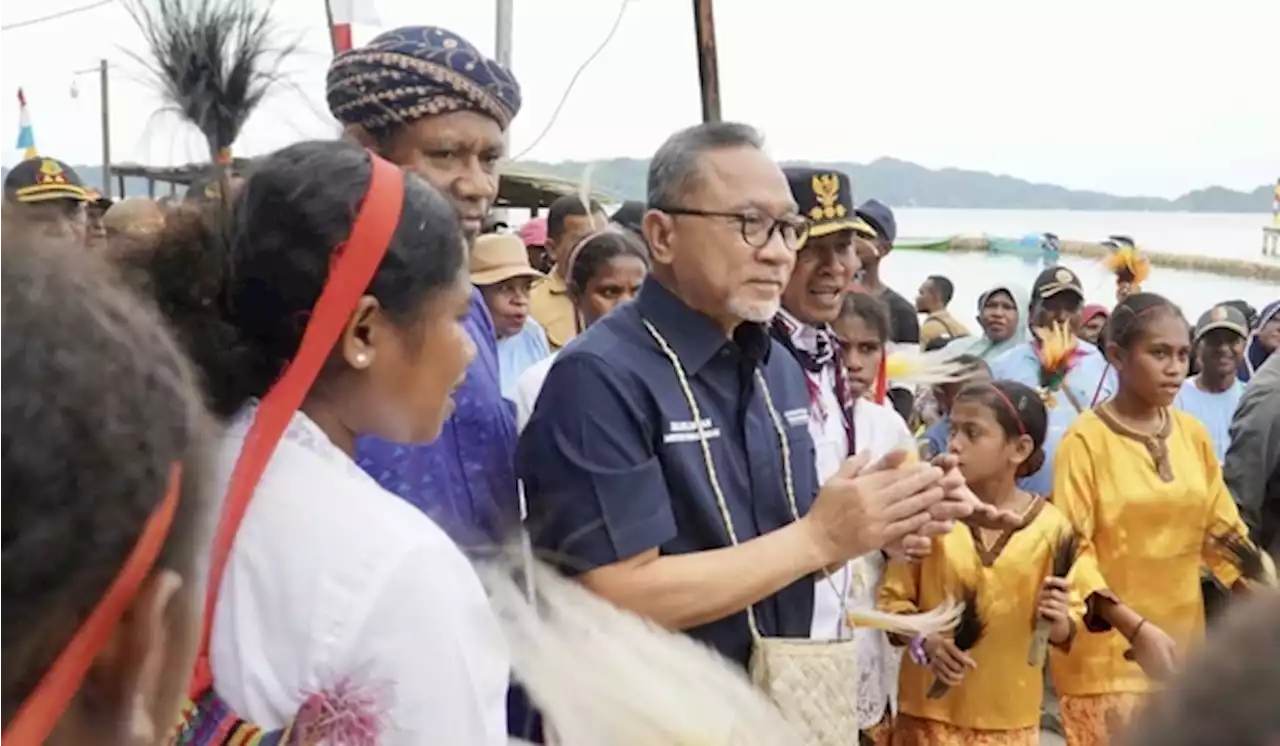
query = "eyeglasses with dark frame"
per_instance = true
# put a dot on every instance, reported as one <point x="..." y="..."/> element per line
<point x="757" y="228"/>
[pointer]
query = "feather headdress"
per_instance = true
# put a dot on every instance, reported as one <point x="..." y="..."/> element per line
<point x="1128" y="265"/>
<point x="214" y="61"/>
<point x="1058" y="352"/>
<point x="601" y="675"/>
<point x="908" y="366"/>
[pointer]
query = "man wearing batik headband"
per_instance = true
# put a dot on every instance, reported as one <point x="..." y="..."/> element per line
<point x="428" y="100"/>
<point x="1071" y="373"/>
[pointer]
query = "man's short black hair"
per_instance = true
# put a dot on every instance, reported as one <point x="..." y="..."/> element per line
<point x="943" y="287"/>
<point x="564" y="208"/>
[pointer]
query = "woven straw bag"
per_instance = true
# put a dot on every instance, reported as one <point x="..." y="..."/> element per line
<point x="812" y="682"/>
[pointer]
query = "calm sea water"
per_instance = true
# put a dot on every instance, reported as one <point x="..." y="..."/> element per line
<point x="1228" y="235"/>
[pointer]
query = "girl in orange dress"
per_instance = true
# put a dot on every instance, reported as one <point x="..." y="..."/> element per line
<point x="997" y="430"/>
<point x="1142" y="485"/>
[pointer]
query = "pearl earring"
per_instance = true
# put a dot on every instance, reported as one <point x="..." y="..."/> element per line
<point x="362" y="359"/>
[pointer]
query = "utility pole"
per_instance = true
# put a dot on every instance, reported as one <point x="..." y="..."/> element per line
<point x="503" y="32"/>
<point x="106" y="128"/>
<point x="708" y="71"/>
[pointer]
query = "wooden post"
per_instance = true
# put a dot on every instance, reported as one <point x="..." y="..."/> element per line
<point x="708" y="71"/>
<point x="106" y="130"/>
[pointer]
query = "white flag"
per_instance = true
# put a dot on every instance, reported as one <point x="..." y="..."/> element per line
<point x="346" y="12"/>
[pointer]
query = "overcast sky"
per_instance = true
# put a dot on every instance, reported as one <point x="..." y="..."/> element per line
<point x="1125" y="96"/>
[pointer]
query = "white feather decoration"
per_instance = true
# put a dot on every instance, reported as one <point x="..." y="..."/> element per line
<point x="584" y="186"/>
<point x="939" y="619"/>
<point x="911" y="367"/>
<point x="601" y="675"/>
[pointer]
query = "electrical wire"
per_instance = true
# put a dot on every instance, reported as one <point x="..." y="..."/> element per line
<point x="622" y="8"/>
<point x="55" y="16"/>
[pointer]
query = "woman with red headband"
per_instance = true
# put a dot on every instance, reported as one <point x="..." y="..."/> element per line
<point x="327" y="308"/>
<point x="103" y="433"/>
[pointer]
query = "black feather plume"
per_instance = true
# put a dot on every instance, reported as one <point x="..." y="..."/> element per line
<point x="1239" y="551"/>
<point x="972" y="626"/>
<point x="969" y="631"/>
<point x="1065" y="553"/>
<point x="214" y="61"/>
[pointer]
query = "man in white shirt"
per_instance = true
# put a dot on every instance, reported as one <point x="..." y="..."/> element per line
<point x="825" y="266"/>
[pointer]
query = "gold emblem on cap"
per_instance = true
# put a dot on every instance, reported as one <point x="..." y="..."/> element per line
<point x="1064" y="276"/>
<point x="1219" y="313"/>
<point x="51" y="173"/>
<point x="826" y="189"/>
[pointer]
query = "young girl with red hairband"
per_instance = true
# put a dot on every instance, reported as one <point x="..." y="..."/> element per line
<point x="1008" y="578"/>
<point x="104" y="442"/>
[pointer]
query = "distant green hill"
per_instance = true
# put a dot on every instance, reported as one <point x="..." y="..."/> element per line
<point x="902" y="184"/>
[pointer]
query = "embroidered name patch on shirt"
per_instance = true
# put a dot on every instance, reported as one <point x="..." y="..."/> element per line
<point x="796" y="417"/>
<point x="686" y="431"/>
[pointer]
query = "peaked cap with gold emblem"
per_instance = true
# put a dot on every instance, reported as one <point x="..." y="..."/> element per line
<point x="1054" y="280"/>
<point x="42" y="180"/>
<point x="1222" y="317"/>
<point x="825" y="197"/>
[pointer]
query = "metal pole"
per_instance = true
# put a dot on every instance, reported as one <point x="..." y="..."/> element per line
<point x="503" y="32"/>
<point x="333" y="40"/>
<point x="708" y="72"/>
<point x="106" y="129"/>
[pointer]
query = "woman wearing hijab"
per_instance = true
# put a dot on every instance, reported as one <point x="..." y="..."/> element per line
<point x="1002" y="316"/>
<point x="1264" y="341"/>
<point x="1093" y="319"/>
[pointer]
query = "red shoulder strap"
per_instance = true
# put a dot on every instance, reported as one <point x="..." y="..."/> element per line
<point x="351" y="270"/>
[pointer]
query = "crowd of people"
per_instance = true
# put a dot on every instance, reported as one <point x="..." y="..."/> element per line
<point x="366" y="390"/>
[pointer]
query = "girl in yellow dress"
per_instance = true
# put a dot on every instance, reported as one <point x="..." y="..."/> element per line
<point x="997" y="430"/>
<point x="1142" y="486"/>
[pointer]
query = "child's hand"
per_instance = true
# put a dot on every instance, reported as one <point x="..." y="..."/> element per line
<point x="1154" y="650"/>
<point x="1055" y="606"/>
<point x="948" y="662"/>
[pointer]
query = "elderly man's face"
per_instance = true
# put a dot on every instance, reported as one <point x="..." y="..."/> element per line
<point x="715" y="269"/>
<point x="458" y="154"/>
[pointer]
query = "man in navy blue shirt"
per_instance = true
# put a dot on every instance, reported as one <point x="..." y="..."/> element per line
<point x="668" y="461"/>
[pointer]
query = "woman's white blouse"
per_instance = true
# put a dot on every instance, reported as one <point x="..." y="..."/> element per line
<point x="331" y="580"/>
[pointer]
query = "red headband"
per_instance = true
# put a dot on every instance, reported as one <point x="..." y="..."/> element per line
<point x="42" y="709"/>
<point x="1022" y="428"/>
<point x="351" y="269"/>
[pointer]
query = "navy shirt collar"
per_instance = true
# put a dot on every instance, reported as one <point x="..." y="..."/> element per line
<point x="694" y="336"/>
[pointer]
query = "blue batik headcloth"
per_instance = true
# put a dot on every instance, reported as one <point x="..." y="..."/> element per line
<point x="415" y="72"/>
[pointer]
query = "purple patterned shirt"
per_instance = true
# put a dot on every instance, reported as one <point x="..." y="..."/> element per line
<point x="465" y="479"/>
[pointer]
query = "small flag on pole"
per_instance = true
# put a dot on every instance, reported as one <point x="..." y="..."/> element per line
<point x="26" y="135"/>
<point x="345" y="13"/>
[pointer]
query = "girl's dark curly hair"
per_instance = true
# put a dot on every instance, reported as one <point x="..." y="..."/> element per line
<point x="99" y="403"/>
<point x="239" y="285"/>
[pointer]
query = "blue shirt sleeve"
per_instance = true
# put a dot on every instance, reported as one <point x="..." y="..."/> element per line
<point x="593" y="481"/>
